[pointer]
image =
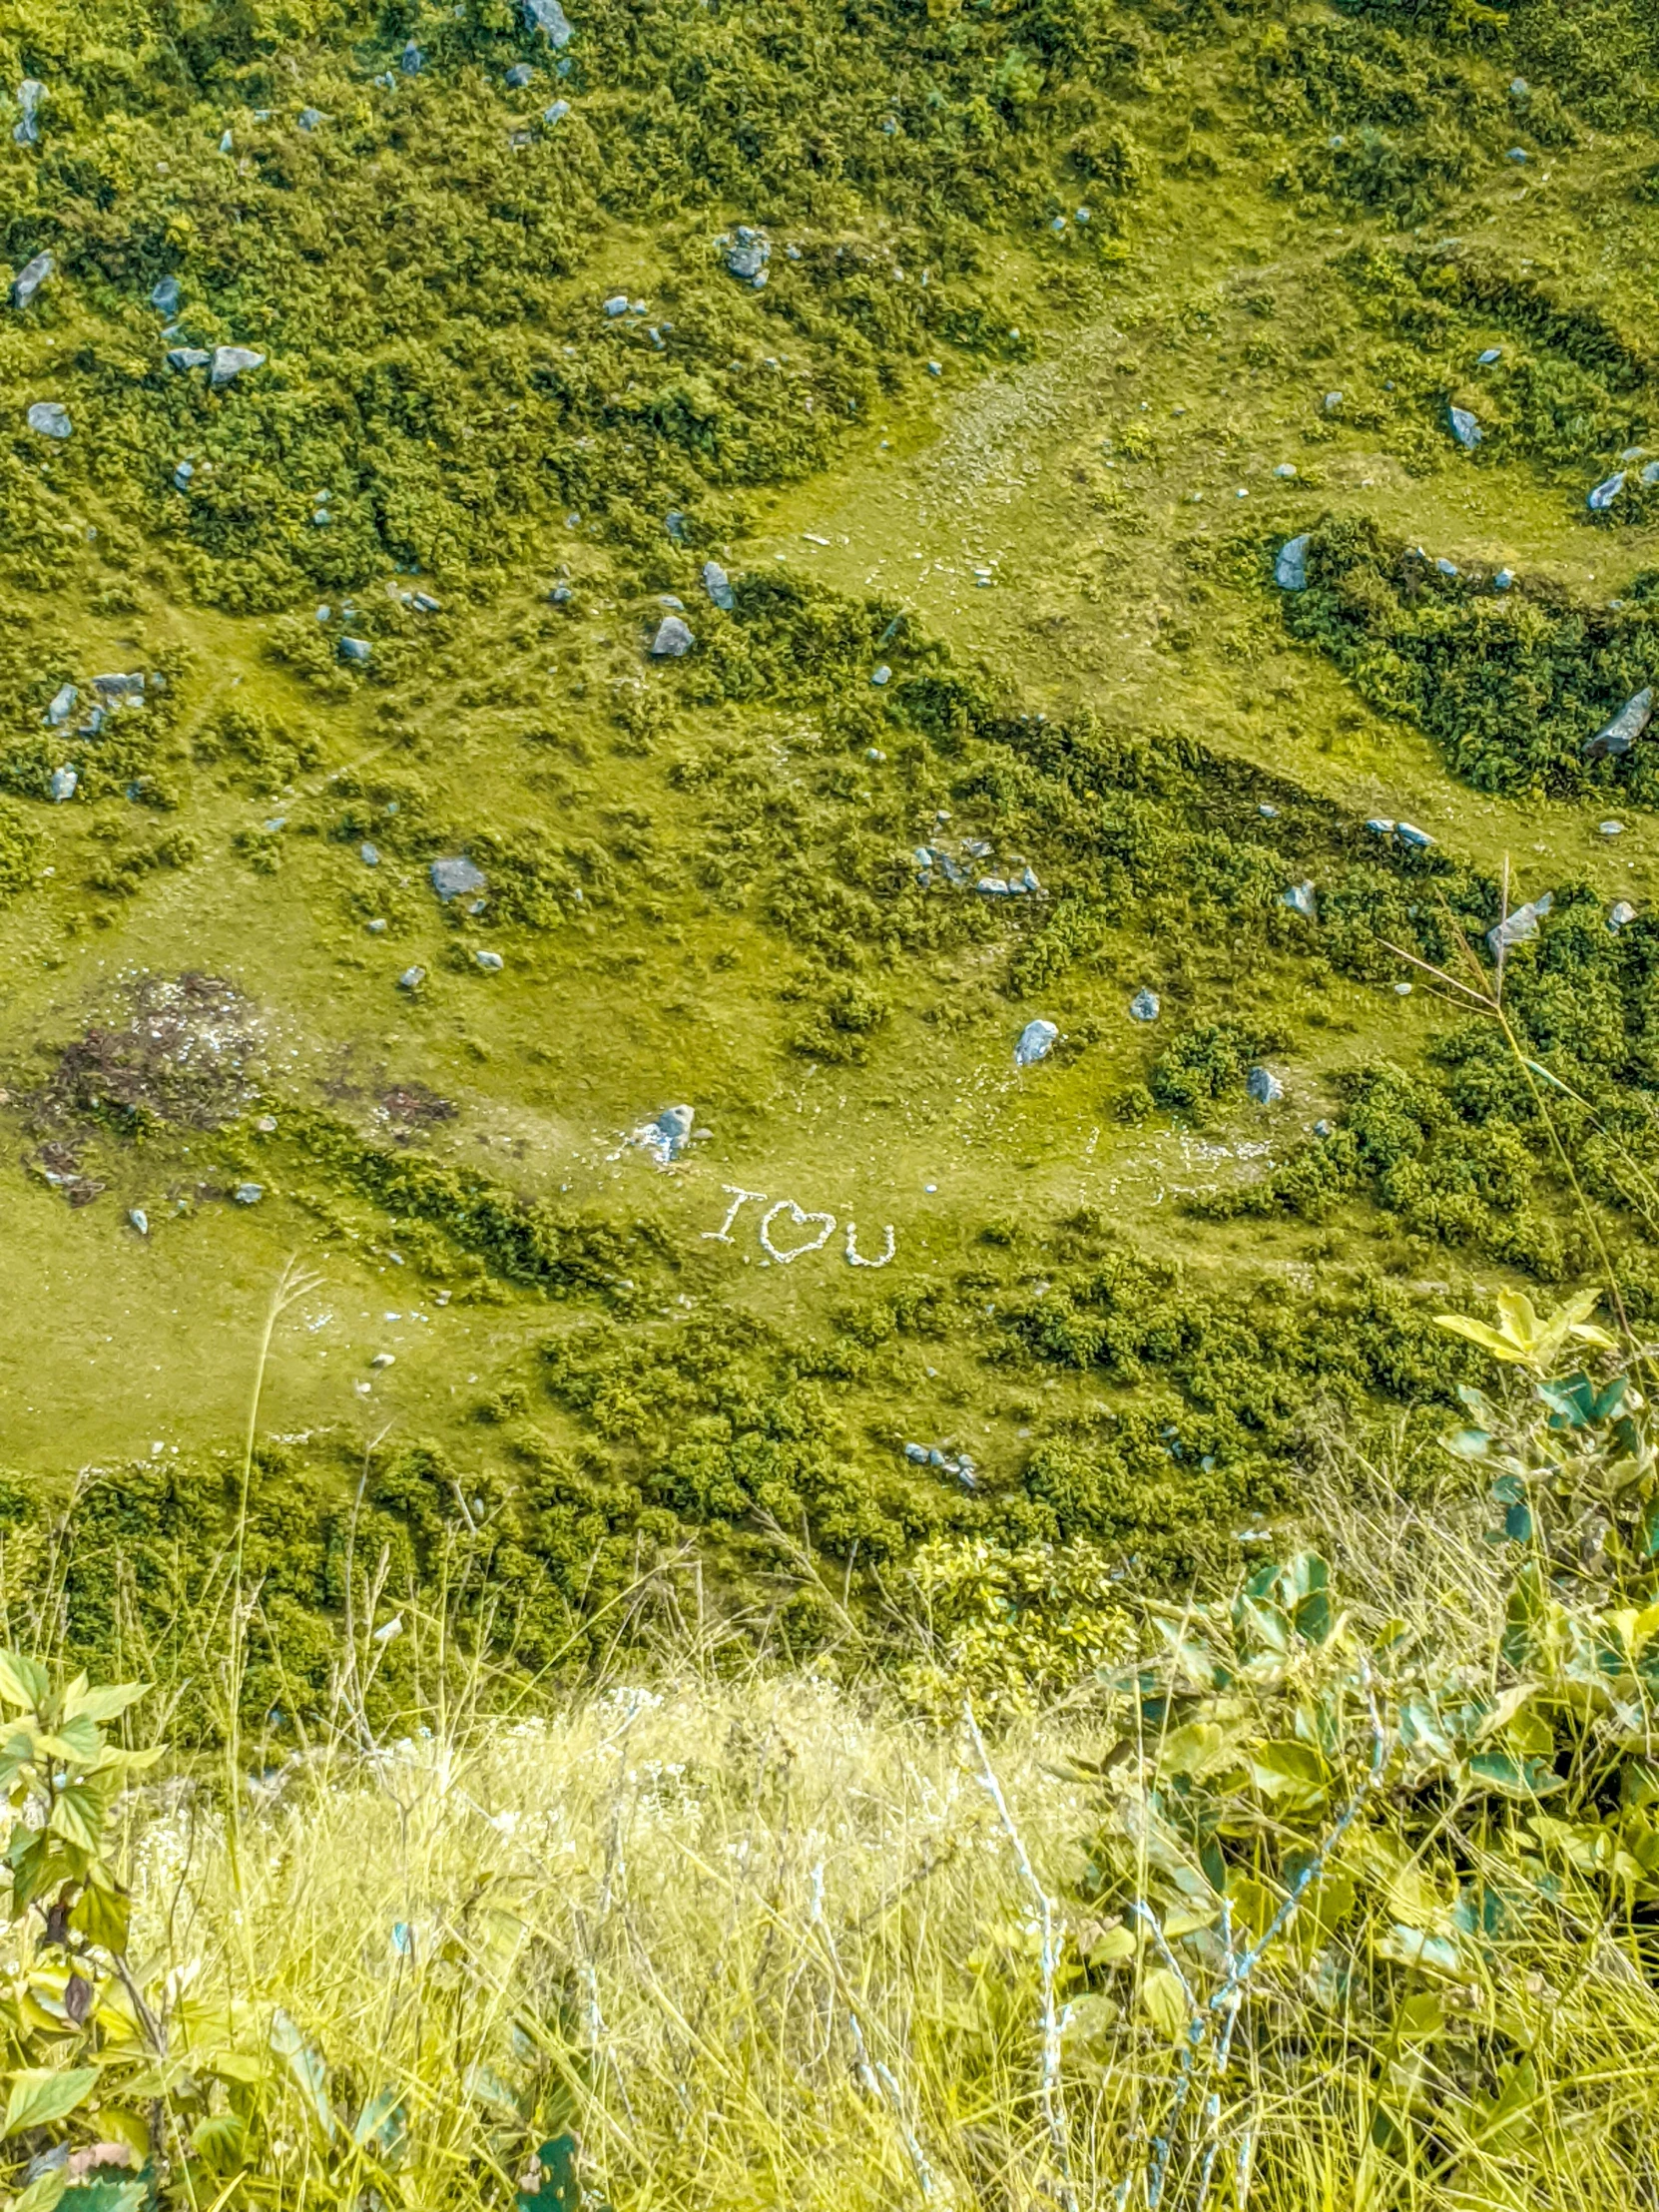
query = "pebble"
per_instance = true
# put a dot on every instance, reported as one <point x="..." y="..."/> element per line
<point x="376" y="927"/>
<point x="412" y="61"/>
<point x="1618" y="736"/>
<point x="267" y="1125"/>
<point x="62" y="707"/>
<point x="557" y="113"/>
<point x="1380" y="826"/>
<point x="1604" y="494"/>
<point x="1403" y="990"/>
<point x="1286" y="469"/>
<point x="881" y="676"/>
<point x="1409" y="833"/>
<point x="384" y="1360"/>
<point x="139" y="1220"/>
<point x="1264" y="1086"/>
<point x="425" y="604"/>
<point x="183" y="474"/>
<point x="356" y="649"/>
<point x="1299" y="900"/>
<point x="1517" y="154"/>
<point x="29" y="95"/>
<point x="64" y="783"/>
<point x="674" y="639"/>
<point x="49" y="418"/>
<point x="615" y="305"/>
<point x="1491" y="355"/>
<point x="548" y="16"/>
<point x="309" y="118"/>
<point x="165" y="295"/>
<point x="369" y="856"/>
<point x="411" y="979"/>
<point x="1503" y="580"/>
<point x="1620" y="913"/>
<point x="456" y="878"/>
<point x="187" y="357"/>
<point x="248" y="1194"/>
<point x="1611" y="828"/>
<point x="492" y="962"/>
<point x="1325" y="1129"/>
<point x="747" y="259"/>
<point x="30" y="278"/>
<point x="1145" y="1005"/>
<point x="232" y="361"/>
<point x="1520" y="926"/>
<point x="1464" y="428"/>
<point x="1267" y="812"/>
<point x="1036" y="1041"/>
<point x="1447" y="567"/>
<point x="1331" y="402"/>
<point x="717" y="585"/>
<point x="1290" y="570"/>
<point x="518" y="76"/>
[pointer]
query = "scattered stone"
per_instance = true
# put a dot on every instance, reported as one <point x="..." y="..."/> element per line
<point x="248" y="1194"/>
<point x="62" y="707"/>
<point x="1517" y="154"/>
<point x="673" y="641"/>
<point x="668" y="1135"/>
<point x="1264" y="1086"/>
<point x="1604" y="494"/>
<point x="1409" y="833"/>
<point x="1331" y="402"/>
<point x="1403" y="990"/>
<point x="1503" y="580"/>
<point x="717" y="585"/>
<point x="1464" y="428"/>
<point x="548" y="16"/>
<point x="1036" y="1041"/>
<point x="617" y="304"/>
<point x="412" y="61"/>
<point x="29" y="95"/>
<point x="1618" y="736"/>
<point x="1491" y="355"/>
<point x="370" y="854"/>
<point x="561" y="595"/>
<point x="1520" y="926"/>
<point x="1380" y="826"/>
<point x="232" y="361"/>
<point x="356" y="649"/>
<point x="1325" y="1129"/>
<point x="411" y="979"/>
<point x="1267" y="812"/>
<point x="50" y="420"/>
<point x="456" y="878"/>
<point x="1299" y="900"/>
<point x="1519" y="88"/>
<point x="309" y="118"/>
<point x="881" y="676"/>
<point x="30" y="278"/>
<point x="1447" y="567"/>
<point x="518" y="76"/>
<point x="1620" y="914"/>
<point x="425" y="604"/>
<point x="557" y="113"/>
<point x="492" y="962"/>
<point x="165" y="295"/>
<point x="748" y="258"/>
<point x="227" y="144"/>
<point x="187" y="357"/>
<point x="1611" y="828"/>
<point x="384" y="1360"/>
<point x="64" y="783"/>
<point x="1145" y="1005"/>
<point x="183" y="475"/>
<point x="118" y="687"/>
<point x="267" y="1125"/>
<point x="1290" y="570"/>
<point x="1286" y="470"/>
<point x="139" y="1220"/>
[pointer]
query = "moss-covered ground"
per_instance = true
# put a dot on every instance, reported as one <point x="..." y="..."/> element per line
<point x="1033" y="462"/>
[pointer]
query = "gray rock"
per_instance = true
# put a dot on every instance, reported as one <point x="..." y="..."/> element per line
<point x="1325" y="1129"/>
<point x="1519" y="88"/>
<point x="1267" y="812"/>
<point x="1503" y="580"/>
<point x="1618" y="736"/>
<point x="674" y="522"/>
<point x="376" y="927"/>
<point x="248" y="1194"/>
<point x="1145" y="1005"/>
<point x="165" y="295"/>
<point x="309" y="118"/>
<point x="118" y="687"/>
<point x="1491" y="355"/>
<point x="747" y="258"/>
<point x="1610" y="829"/>
<point x="456" y="878"/>
<point x="518" y="76"/>
<point x="1290" y="570"/>
<point x="1331" y="402"/>
<point x="1286" y="470"/>
<point x="139" y="1220"/>
<point x="64" y="783"/>
<point x="30" y="278"/>
<point x="1604" y="494"/>
<point x="1409" y="833"/>
<point x="674" y="639"/>
<point x="411" y="979"/>
<point x="187" y="357"/>
<point x="1620" y="914"/>
<point x="232" y="361"/>
<point x="617" y="304"/>
<point x="1036" y="1041"/>
<point x="1264" y="1086"/>
<point x="1447" y="567"/>
<point x="668" y="1135"/>
<point x="183" y="475"/>
<point x="425" y="604"/>
<point x="1299" y="900"/>
<point x="50" y="420"/>
<point x="1464" y="428"/>
<point x="548" y="16"/>
<point x="1650" y="474"/>
<point x="557" y="113"/>
<point x="227" y="144"/>
<point x="917" y="1452"/>
<point x="492" y="962"/>
<point x="1380" y="826"/>
<point x="370" y="854"/>
<point x="62" y="707"/>
<point x="29" y="95"/>
<point x="561" y="595"/>
<point x="993" y="886"/>
<point x="412" y="61"/>
<point x="880" y="677"/>
<point x="1520" y="927"/>
<point x="1517" y="154"/>
<point x="717" y="585"/>
<point x="356" y="649"/>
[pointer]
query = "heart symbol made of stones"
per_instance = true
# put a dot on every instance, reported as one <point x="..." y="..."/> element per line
<point x="802" y="1221"/>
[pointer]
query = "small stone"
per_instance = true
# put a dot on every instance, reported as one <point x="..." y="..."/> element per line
<point x="1604" y="494"/>
<point x="1290" y="570"/>
<point x="187" y="357"/>
<point x="139" y="1220"/>
<point x="1299" y="900"/>
<point x="62" y="707"/>
<point x="64" y="783"/>
<point x="183" y="474"/>
<point x="456" y="878"/>
<point x="411" y="979"/>
<point x="1380" y="826"/>
<point x="518" y="76"/>
<point x="917" y="1452"/>
<point x="1610" y="829"/>
<point x="248" y="1194"/>
<point x="492" y="962"/>
<point x="30" y="94"/>
<point x="1620" y="914"/>
<point x="309" y="118"/>
<point x="1409" y="833"/>
<point x="1403" y="990"/>
<point x="369" y="856"/>
<point x="1517" y="154"/>
<point x="1267" y="812"/>
<point x="267" y="1125"/>
<point x="1519" y="88"/>
<point x="617" y="304"/>
<point x="1650" y="474"/>
<point x="384" y="1360"/>
<point x="358" y="650"/>
<point x="118" y="686"/>
<point x="747" y="259"/>
<point x="1325" y="1129"/>
<point x="548" y="16"/>
<point x="232" y="361"/>
<point x="1503" y="580"/>
<point x="227" y="144"/>
<point x="49" y="419"/>
<point x="1145" y="1005"/>
<point x="412" y="61"/>
<point x="1447" y="567"/>
<point x="717" y="585"/>
<point x="425" y="604"/>
<point x="1464" y="428"/>
<point x="1331" y="402"/>
<point x="674" y="522"/>
<point x="1264" y="1086"/>
<point x="1520" y="926"/>
<point x="30" y="278"/>
<point x="1618" y="736"/>
<point x="561" y="595"/>
<point x="1491" y="355"/>
<point x="165" y="295"/>
<point x="1286" y="470"/>
<point x="557" y="113"/>
<point x="673" y="641"/>
<point x="881" y="676"/>
<point x="376" y="927"/>
<point x="1036" y="1041"/>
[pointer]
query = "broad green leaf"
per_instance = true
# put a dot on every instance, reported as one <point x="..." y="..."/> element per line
<point x="1164" y="2003"/>
<point x="43" y="2194"/>
<point x="1420" y="2017"/>
<point x="1111" y="1945"/>
<point x="1500" y="1348"/>
<point x="1415" y="1946"/>
<point x="222" y="2140"/>
<point x="1192" y="1749"/>
<point x="38" y="2095"/>
<point x="23" y="1682"/>
<point x="383" y="2123"/>
<point x="1516" y="1777"/>
<point x="556" y="2187"/>
<point x="105" y="1703"/>
<point x="1287" y="1770"/>
<point x="307" y="2067"/>
<point x="77" y="1816"/>
<point x="102" y="1914"/>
